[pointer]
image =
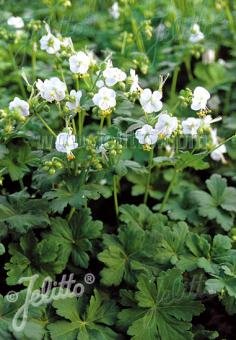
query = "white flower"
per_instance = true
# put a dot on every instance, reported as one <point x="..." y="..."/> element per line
<point x="151" y="102"/>
<point x="217" y="154"/>
<point x="190" y="126"/>
<point x="92" y="57"/>
<point x="146" y="135"/>
<point x="166" y="125"/>
<point x="20" y="106"/>
<point x="108" y="63"/>
<point x="74" y="102"/>
<point x="200" y="98"/>
<point x="115" y="10"/>
<point x="208" y="120"/>
<point x="103" y="181"/>
<point x="214" y="136"/>
<point x="50" y="43"/>
<point x="67" y="43"/>
<point x="196" y="34"/>
<point x="79" y="63"/>
<point x="16" y="22"/>
<point x="100" y="83"/>
<point x="105" y="98"/>
<point x="113" y="75"/>
<point x="134" y="82"/>
<point x="169" y="150"/>
<point x="65" y="142"/>
<point x="214" y="102"/>
<point x="221" y="62"/>
<point x="160" y="31"/>
<point x="51" y="89"/>
<point x="208" y="56"/>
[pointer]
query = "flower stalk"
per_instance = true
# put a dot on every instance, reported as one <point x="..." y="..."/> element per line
<point x="115" y="182"/>
<point x="149" y="175"/>
<point x="168" y="191"/>
<point x="46" y="125"/>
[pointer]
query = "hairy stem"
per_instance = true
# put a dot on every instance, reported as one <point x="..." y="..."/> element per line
<point x="168" y="191"/>
<point x="18" y="77"/>
<point x="46" y="125"/>
<point x="101" y="122"/>
<point x="115" y="194"/>
<point x="137" y="35"/>
<point x="149" y="176"/>
<point x="188" y="67"/>
<point x="124" y="42"/>
<point x="33" y="61"/>
<point x="71" y="213"/>
<point x="230" y="18"/>
<point x="174" y="82"/>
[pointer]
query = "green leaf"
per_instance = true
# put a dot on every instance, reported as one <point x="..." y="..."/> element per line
<point x="164" y="161"/>
<point x="219" y="284"/>
<point x="188" y="160"/>
<point x="19" y="159"/>
<point x="74" y="193"/>
<point x="3" y="151"/>
<point x="35" y="327"/>
<point x="229" y="199"/>
<point x="22" y="213"/>
<point x="141" y="216"/>
<point x="139" y="185"/>
<point x="202" y="333"/>
<point x="164" y="306"/>
<point x="115" y="260"/>
<point x="2" y="249"/>
<point x="123" y="258"/>
<point x="218" y="204"/>
<point x="216" y="185"/>
<point x="124" y="166"/>
<point x="84" y="322"/>
<point x="170" y="243"/>
<point x="196" y="246"/>
<point x="77" y="237"/>
<point x="212" y="75"/>
<point x="220" y="254"/>
<point x="31" y="256"/>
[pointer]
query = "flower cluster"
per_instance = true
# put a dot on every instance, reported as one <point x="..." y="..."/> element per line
<point x="168" y="126"/>
<point x="107" y="86"/>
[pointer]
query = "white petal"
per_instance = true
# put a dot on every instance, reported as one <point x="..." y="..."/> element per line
<point x="145" y="96"/>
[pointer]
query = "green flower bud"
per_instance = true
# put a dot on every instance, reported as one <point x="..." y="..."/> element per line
<point x="121" y="85"/>
<point x="113" y="152"/>
<point x="58" y="164"/>
<point x="51" y="171"/>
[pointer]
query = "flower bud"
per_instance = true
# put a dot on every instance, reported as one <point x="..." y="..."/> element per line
<point x="113" y="152"/>
<point x="58" y="164"/>
<point x="51" y="171"/>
